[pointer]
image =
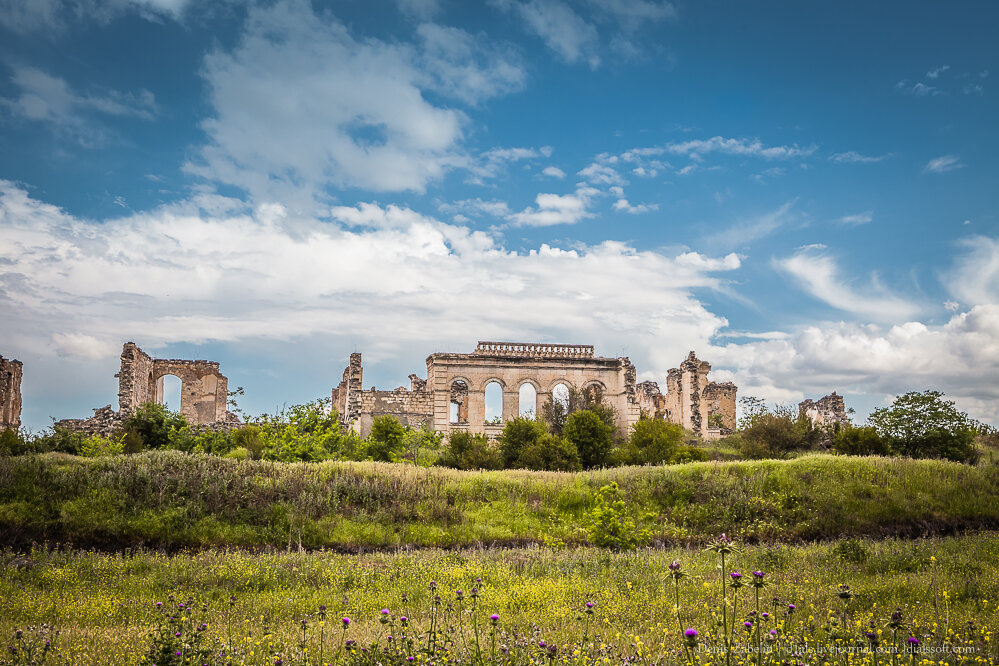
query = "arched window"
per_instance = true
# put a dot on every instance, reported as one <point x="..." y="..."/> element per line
<point x="459" y="402"/>
<point x="494" y="402"/>
<point x="528" y="400"/>
<point x="561" y="394"/>
<point x="170" y="397"/>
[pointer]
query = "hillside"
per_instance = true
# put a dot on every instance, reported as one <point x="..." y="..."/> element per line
<point x="173" y="500"/>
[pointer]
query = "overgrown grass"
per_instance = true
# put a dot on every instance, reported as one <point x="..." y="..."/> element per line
<point x="104" y="603"/>
<point x="173" y="500"/>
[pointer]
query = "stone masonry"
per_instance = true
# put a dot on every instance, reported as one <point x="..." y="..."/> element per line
<point x="10" y="393"/>
<point x="461" y="380"/>
<point x="204" y="391"/>
<point x="825" y="411"/>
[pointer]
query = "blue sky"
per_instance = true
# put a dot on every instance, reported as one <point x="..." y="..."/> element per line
<point x="804" y="193"/>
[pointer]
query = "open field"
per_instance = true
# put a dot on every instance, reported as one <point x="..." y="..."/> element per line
<point x="173" y="500"/>
<point x="104" y="603"/>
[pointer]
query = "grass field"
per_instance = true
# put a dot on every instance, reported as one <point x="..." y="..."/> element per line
<point x="104" y="603"/>
<point x="172" y="500"/>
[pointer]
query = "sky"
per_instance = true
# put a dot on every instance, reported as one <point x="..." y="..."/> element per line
<point x="803" y="193"/>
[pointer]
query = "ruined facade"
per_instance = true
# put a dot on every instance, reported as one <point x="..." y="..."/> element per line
<point x="453" y="395"/>
<point x="10" y="393"/>
<point x="825" y="411"/>
<point x="204" y="391"/>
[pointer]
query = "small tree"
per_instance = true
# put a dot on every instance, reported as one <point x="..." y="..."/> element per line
<point x="775" y="434"/>
<point x="387" y="439"/>
<point x="924" y="425"/>
<point x="592" y="437"/>
<point x="653" y="442"/>
<point x="610" y="525"/>
<point x="157" y="428"/>
<point x="467" y="451"/>
<point x="550" y="453"/>
<point x="517" y="434"/>
<point x="862" y="441"/>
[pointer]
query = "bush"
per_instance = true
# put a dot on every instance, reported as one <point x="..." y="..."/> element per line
<point x="467" y="451"/>
<point x="775" y="434"/>
<point x="517" y="434"/>
<point x="387" y="439"/>
<point x="96" y="446"/>
<point x="12" y="443"/>
<point x="158" y="428"/>
<point x="861" y="441"/>
<point x="653" y="442"/>
<point x="924" y="425"/>
<point x="592" y="437"/>
<point x="685" y="454"/>
<point x="610" y="526"/>
<point x="250" y="440"/>
<point x="309" y="432"/>
<point x="549" y="453"/>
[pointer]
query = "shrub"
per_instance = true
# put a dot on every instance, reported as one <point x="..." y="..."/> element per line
<point x="517" y="434"/>
<point x="250" y="440"/>
<point x="12" y="443"/>
<point x="685" y="454"/>
<point x="551" y="453"/>
<point x="159" y="428"/>
<point x="386" y="440"/>
<point x="653" y="442"/>
<point x="96" y="446"/>
<point x="610" y="526"/>
<point x="309" y="432"/>
<point x="467" y="451"/>
<point x="861" y="441"/>
<point x="775" y="434"/>
<point x="592" y="437"/>
<point x="924" y="425"/>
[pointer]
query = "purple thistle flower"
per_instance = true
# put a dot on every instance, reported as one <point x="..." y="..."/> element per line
<point x="494" y="617"/>
<point x="159" y="604"/>
<point x="177" y="634"/>
<point x="913" y="641"/>
<point x="346" y="621"/>
<point x="178" y="653"/>
<point x="385" y="611"/>
<point x="404" y="619"/>
<point x="691" y="633"/>
<point x="790" y="608"/>
<point x="759" y="574"/>
<point x="773" y="632"/>
<point x="765" y="616"/>
<point x="589" y="604"/>
<point x="674" y="565"/>
<point x="747" y="624"/>
<point x="735" y="575"/>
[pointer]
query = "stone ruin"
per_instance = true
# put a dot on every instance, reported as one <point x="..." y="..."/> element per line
<point x="452" y="397"/>
<point x="204" y="392"/>
<point x="10" y="393"/>
<point x="826" y="411"/>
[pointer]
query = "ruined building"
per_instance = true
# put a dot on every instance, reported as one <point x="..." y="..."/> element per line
<point x="452" y="397"/>
<point x="10" y="393"/>
<point x="204" y="391"/>
<point x="826" y="411"/>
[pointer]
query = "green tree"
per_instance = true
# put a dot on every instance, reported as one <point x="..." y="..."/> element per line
<point x="653" y="442"/>
<point x="517" y="434"/>
<point x="387" y="439"/>
<point x="591" y="435"/>
<point x="776" y="433"/>
<point x="157" y="428"/>
<point x="550" y="453"/>
<point x="556" y="413"/>
<point x="467" y="451"/>
<point x="861" y="441"/>
<point x="924" y="425"/>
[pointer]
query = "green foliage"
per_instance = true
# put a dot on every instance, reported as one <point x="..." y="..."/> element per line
<point x="159" y="428"/>
<point x="95" y="446"/>
<point x="555" y="413"/>
<point x="309" y="433"/>
<point x="249" y="439"/>
<point x="776" y="433"/>
<point x="924" y="425"/>
<point x="179" y="636"/>
<point x="653" y="442"/>
<point x="685" y="454"/>
<point x="12" y="443"/>
<point x="852" y="550"/>
<point x="467" y="451"/>
<point x="610" y="526"/>
<point x="861" y="441"/>
<point x="61" y="440"/>
<point x="549" y="452"/>
<point x="517" y="434"/>
<point x="387" y="439"/>
<point x="592" y="437"/>
<point x="421" y="446"/>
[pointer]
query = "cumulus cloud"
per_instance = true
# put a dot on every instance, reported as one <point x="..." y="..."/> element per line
<point x="974" y="278"/>
<point x="49" y="99"/>
<point x="54" y="16"/>
<point x="554" y="172"/>
<point x="177" y="275"/>
<point x="698" y="148"/>
<point x="554" y="209"/>
<point x="818" y="274"/>
<point x="301" y="105"/>
<point x="563" y="30"/>
<point x="959" y="357"/>
<point x="624" y="206"/>
<point x="943" y="164"/>
<point x="856" y="219"/>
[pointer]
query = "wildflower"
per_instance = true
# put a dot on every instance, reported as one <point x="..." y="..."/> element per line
<point x="758" y="581"/>
<point x="346" y="622"/>
<point x="674" y="565"/>
<point x="404" y="619"/>
<point x="460" y="594"/>
<point x="747" y="624"/>
<point x="159" y="604"/>
<point x="765" y="616"/>
<point x="790" y="608"/>
<point x="913" y="641"/>
<point x="896" y="619"/>
<point x="494" y="618"/>
<point x="433" y="585"/>
<point x="844" y="593"/>
<point x="690" y="635"/>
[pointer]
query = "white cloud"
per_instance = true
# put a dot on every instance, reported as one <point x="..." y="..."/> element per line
<point x="476" y="207"/>
<point x="634" y="14"/>
<point x="974" y="278"/>
<point x="46" y="98"/>
<point x="747" y="230"/>
<point x="174" y="275"/>
<point x="601" y="173"/>
<point x="554" y="172"/>
<point x="54" y="16"/>
<point x="853" y="157"/>
<point x="960" y="357"/>
<point x="697" y="148"/>
<point x="818" y="274"/>
<point x="624" y="206"/>
<point x="561" y="28"/>
<point x="300" y="105"/>
<point x="493" y="162"/>
<point x="554" y="209"/>
<point x="856" y="219"/>
<point x="918" y="89"/>
<point x="943" y="164"/>
<point x="937" y="71"/>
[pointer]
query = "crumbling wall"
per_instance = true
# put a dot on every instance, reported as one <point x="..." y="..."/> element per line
<point x="10" y="393"/>
<point x="204" y="392"/>
<point x="706" y="408"/>
<point x="825" y="411"/>
<point x="346" y="396"/>
<point x="651" y="400"/>
<point x="719" y="400"/>
<point x="358" y="408"/>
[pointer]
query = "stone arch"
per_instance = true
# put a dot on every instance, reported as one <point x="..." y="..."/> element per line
<point x="527" y="400"/>
<point x="458" y="405"/>
<point x="597" y="386"/>
<point x="496" y="379"/>
<point x="492" y="390"/>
